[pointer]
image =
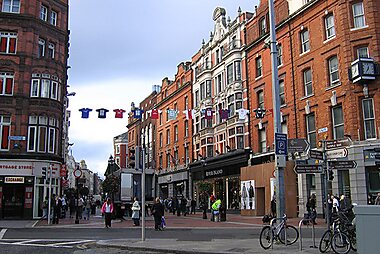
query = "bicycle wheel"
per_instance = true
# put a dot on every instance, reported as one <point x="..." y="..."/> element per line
<point x="340" y="243"/>
<point x="325" y="242"/>
<point x="291" y="235"/>
<point x="266" y="237"/>
<point x="353" y="242"/>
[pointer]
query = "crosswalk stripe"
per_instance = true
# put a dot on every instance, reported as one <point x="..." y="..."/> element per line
<point x="2" y="233"/>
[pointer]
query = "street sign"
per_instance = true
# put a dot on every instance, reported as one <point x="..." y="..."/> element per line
<point x="315" y="154"/>
<point x="281" y="141"/>
<point x="77" y="173"/>
<point x="298" y="145"/>
<point x="337" y="153"/>
<point x="334" y="144"/>
<point x="342" y="164"/>
<point x="322" y="130"/>
<point x="17" y="138"/>
<point x="302" y="169"/>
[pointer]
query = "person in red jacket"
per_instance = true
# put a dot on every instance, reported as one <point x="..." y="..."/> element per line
<point x="107" y="210"/>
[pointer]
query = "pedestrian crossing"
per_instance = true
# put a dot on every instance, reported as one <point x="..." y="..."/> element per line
<point x="50" y="243"/>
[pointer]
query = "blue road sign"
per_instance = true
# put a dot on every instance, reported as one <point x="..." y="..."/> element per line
<point x="281" y="141"/>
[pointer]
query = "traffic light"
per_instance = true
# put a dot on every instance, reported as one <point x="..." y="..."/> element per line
<point x="44" y="173"/>
<point x="331" y="175"/>
<point x="132" y="158"/>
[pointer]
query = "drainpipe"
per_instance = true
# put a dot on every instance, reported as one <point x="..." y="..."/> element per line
<point x="248" y="91"/>
<point x="293" y="81"/>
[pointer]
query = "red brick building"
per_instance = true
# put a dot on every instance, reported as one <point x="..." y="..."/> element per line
<point x="120" y="143"/>
<point x="320" y="41"/>
<point x="33" y="80"/>
<point x="174" y="134"/>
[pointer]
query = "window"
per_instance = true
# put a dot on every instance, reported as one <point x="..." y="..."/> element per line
<point x="259" y="66"/>
<point x="11" y="6"/>
<point x="54" y="90"/>
<point x="167" y="114"/>
<point x="167" y="137"/>
<point x="329" y="26"/>
<point x="305" y="43"/>
<point x="168" y="160"/>
<point x="160" y="161"/>
<point x="230" y="74"/>
<point x="240" y="142"/>
<point x="231" y="104"/>
<point x="6" y="83"/>
<point x="186" y="128"/>
<point x="279" y="55"/>
<point x="41" y="48"/>
<point x="42" y="134"/>
<point x="219" y="83"/>
<point x="338" y="122"/>
<point x="51" y="50"/>
<point x="160" y="118"/>
<point x="5" y="131"/>
<point x="202" y="89"/>
<point x="8" y="42"/>
<point x="175" y="159"/>
<point x="186" y="155"/>
<point x="308" y="82"/>
<point x="311" y="131"/>
<point x="333" y="70"/>
<point x="369" y="119"/>
<point x="237" y="70"/>
<point x="358" y="15"/>
<point x="161" y="140"/>
<point x="260" y="99"/>
<point x="45" y="88"/>
<point x="239" y="101"/>
<point x="196" y="98"/>
<point x="262" y="141"/>
<point x="176" y="133"/>
<point x="53" y="18"/>
<point x="186" y="102"/>
<point x="208" y="88"/>
<point x="362" y="52"/>
<point x="217" y="56"/>
<point x="262" y="26"/>
<point x="43" y="12"/>
<point x="282" y="92"/>
<point x="344" y="183"/>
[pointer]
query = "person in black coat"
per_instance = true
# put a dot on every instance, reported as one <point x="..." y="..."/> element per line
<point x="57" y="206"/>
<point x="157" y="212"/>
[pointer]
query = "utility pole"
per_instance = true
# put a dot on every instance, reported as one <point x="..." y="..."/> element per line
<point x="280" y="159"/>
<point x="143" y="194"/>
<point x="49" y="202"/>
<point x="326" y="178"/>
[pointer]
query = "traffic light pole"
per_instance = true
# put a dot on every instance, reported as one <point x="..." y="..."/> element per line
<point x="280" y="187"/>
<point x="326" y="171"/>
<point x="49" y="201"/>
<point x="143" y="195"/>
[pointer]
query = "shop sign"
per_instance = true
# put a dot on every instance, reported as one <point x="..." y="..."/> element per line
<point x="14" y="180"/>
<point x="16" y="165"/>
<point x="214" y="173"/>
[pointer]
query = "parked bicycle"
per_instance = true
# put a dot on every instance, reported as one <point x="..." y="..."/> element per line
<point x="342" y="237"/>
<point x="282" y="232"/>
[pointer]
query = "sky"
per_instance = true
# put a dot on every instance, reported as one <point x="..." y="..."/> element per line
<point x="118" y="50"/>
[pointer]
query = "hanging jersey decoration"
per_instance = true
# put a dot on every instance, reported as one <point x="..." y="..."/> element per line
<point x="224" y="113"/>
<point x="189" y="113"/>
<point x="137" y="113"/>
<point x="155" y="113"/>
<point x="85" y="112"/>
<point x="208" y="113"/>
<point x="172" y="114"/>
<point x="102" y="112"/>
<point x="242" y="113"/>
<point x="119" y="113"/>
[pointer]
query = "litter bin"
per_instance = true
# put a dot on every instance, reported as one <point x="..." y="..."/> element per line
<point x="223" y="213"/>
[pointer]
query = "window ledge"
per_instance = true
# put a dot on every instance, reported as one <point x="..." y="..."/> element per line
<point x="358" y="28"/>
<point x="333" y="86"/>
<point x="329" y="39"/>
<point x="306" y="96"/>
<point x="304" y="53"/>
<point x="283" y="105"/>
<point x="259" y="77"/>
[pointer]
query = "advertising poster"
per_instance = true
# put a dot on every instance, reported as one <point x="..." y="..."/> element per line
<point x="248" y="194"/>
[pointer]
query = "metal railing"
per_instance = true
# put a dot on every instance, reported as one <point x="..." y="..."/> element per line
<point x="312" y="232"/>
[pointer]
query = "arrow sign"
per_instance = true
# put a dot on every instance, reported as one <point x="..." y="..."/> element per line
<point x="334" y="144"/>
<point x="301" y="169"/>
<point x="298" y="145"/>
<point x="315" y="154"/>
<point x="337" y="153"/>
<point x="342" y="164"/>
<point x="281" y="141"/>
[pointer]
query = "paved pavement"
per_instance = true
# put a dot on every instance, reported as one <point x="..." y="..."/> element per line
<point x="177" y="245"/>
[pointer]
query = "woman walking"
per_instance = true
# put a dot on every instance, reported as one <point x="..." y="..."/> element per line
<point x="136" y="212"/>
<point x="158" y="212"/>
<point x="107" y="210"/>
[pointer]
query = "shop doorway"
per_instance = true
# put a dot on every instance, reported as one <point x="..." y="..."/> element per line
<point x="13" y="201"/>
<point x="260" y="201"/>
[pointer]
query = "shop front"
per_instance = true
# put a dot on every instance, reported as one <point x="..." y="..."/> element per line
<point x="174" y="184"/>
<point x="219" y="176"/>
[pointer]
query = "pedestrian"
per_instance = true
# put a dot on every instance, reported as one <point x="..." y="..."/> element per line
<point x="136" y="212"/>
<point x="273" y="207"/>
<point x="174" y="204"/>
<point x="87" y="208"/>
<point x="335" y="202"/>
<point x="72" y="206"/>
<point x="64" y="206"/>
<point x="193" y="204"/>
<point x="107" y="210"/>
<point x="215" y="209"/>
<point x="45" y="205"/>
<point x="311" y="208"/>
<point x="377" y="200"/>
<point x="188" y="205"/>
<point x="183" y="205"/>
<point x="80" y="203"/>
<point x="57" y="206"/>
<point x="157" y="212"/>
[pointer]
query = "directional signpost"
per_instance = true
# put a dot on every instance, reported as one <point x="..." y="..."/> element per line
<point x="281" y="141"/>
<point x="340" y="143"/>
<point x="298" y="145"/>
<point x="342" y="164"/>
<point x="336" y="153"/>
<point x="315" y="154"/>
<point x="301" y="169"/>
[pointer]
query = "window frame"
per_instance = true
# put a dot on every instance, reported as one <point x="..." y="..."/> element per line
<point x="279" y="55"/>
<point x="51" y="50"/>
<point x="11" y="6"/>
<point x="371" y="119"/>
<point x="7" y="81"/>
<point x="281" y="91"/>
<point x="329" y="27"/>
<point x="259" y="67"/>
<point x="262" y="140"/>
<point x="5" y="131"/>
<point x="43" y="12"/>
<point x="311" y="131"/>
<point x="262" y="26"/>
<point x="41" y="48"/>
<point x="306" y="83"/>
<point x="8" y="42"/>
<point x="53" y="18"/>
<point x="305" y="42"/>
<point x="332" y="72"/>
<point x="361" y="16"/>
<point x="337" y="125"/>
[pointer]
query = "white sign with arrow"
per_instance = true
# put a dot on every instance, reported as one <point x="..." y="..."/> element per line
<point x="337" y="153"/>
